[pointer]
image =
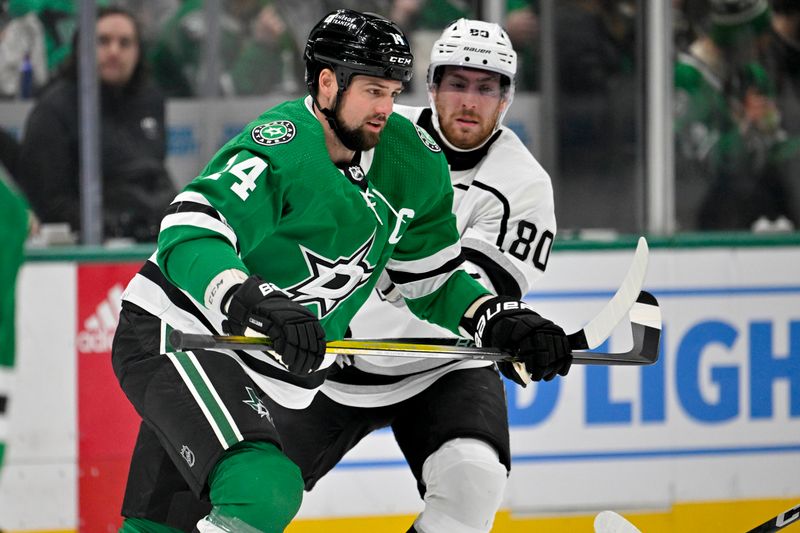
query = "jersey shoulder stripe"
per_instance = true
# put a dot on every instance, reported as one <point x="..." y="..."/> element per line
<point x="187" y="206"/>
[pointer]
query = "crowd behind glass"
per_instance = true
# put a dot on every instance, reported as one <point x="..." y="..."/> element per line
<point x="736" y="108"/>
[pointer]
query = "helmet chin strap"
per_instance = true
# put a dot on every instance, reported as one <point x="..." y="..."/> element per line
<point x="333" y="122"/>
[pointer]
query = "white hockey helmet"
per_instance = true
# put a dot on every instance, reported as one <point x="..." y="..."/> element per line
<point x="475" y="44"/>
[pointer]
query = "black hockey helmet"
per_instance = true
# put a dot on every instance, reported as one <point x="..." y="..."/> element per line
<point x="350" y="43"/>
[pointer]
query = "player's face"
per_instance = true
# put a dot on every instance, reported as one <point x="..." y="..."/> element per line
<point x="117" y="49"/>
<point x="365" y="107"/>
<point x="468" y="102"/>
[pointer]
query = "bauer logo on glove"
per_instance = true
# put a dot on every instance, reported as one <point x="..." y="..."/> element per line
<point x="493" y="311"/>
<point x="540" y="346"/>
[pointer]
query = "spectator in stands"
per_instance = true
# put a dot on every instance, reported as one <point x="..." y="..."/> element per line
<point x="23" y="61"/>
<point x="522" y="25"/>
<point x="256" y="51"/>
<point x="135" y="183"/>
<point x="783" y="61"/>
<point x="729" y="140"/>
<point x="152" y="16"/>
<point x="686" y="14"/>
<point x="59" y="19"/>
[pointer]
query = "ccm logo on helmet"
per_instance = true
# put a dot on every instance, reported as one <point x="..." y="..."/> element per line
<point x="400" y="60"/>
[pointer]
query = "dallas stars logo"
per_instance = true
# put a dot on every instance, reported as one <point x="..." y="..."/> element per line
<point x="332" y="281"/>
<point x="427" y="140"/>
<point x="276" y="132"/>
<point x="258" y="407"/>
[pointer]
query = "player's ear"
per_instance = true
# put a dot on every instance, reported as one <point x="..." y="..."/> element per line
<point x="327" y="85"/>
<point x="503" y="105"/>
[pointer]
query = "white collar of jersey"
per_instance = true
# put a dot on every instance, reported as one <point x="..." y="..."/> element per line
<point x="366" y="160"/>
<point x="366" y="157"/>
<point x="309" y="102"/>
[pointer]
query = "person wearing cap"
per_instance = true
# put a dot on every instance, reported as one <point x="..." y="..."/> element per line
<point x="729" y="142"/>
<point x="449" y="417"/>
<point x="284" y="234"/>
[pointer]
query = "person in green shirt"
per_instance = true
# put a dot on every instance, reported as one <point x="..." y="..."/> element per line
<point x="729" y="142"/>
<point x="15" y="222"/>
<point x="256" y="53"/>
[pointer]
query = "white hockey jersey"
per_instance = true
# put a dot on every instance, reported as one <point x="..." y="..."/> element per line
<point x="505" y="215"/>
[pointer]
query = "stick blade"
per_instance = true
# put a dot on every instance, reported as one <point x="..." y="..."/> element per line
<point x="645" y="317"/>
<point x="599" y="328"/>
<point x="611" y="522"/>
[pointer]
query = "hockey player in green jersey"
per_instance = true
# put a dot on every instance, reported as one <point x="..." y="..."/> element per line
<point x="15" y="223"/>
<point x="284" y="233"/>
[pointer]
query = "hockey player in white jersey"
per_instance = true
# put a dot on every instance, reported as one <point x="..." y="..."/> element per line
<point x="449" y="417"/>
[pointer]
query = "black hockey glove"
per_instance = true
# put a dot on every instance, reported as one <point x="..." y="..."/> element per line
<point x="538" y="343"/>
<point x="297" y="336"/>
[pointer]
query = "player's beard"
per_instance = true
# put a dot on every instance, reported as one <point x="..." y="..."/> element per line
<point x="467" y="139"/>
<point x="357" y="138"/>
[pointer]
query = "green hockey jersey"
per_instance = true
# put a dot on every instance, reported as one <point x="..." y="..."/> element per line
<point x="14" y="231"/>
<point x="271" y="202"/>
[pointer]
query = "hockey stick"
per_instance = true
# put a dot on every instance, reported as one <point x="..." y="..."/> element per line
<point x="645" y="318"/>
<point x="611" y="522"/>
<point x="600" y="327"/>
<point x="779" y="522"/>
<point x="641" y="306"/>
<point x="645" y="329"/>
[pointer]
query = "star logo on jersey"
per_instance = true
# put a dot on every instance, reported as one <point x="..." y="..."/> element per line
<point x="332" y="281"/>
<point x="276" y="132"/>
<point x="427" y="140"/>
<point x="255" y="403"/>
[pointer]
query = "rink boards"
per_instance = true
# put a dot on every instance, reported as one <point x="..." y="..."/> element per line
<point x="717" y="420"/>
